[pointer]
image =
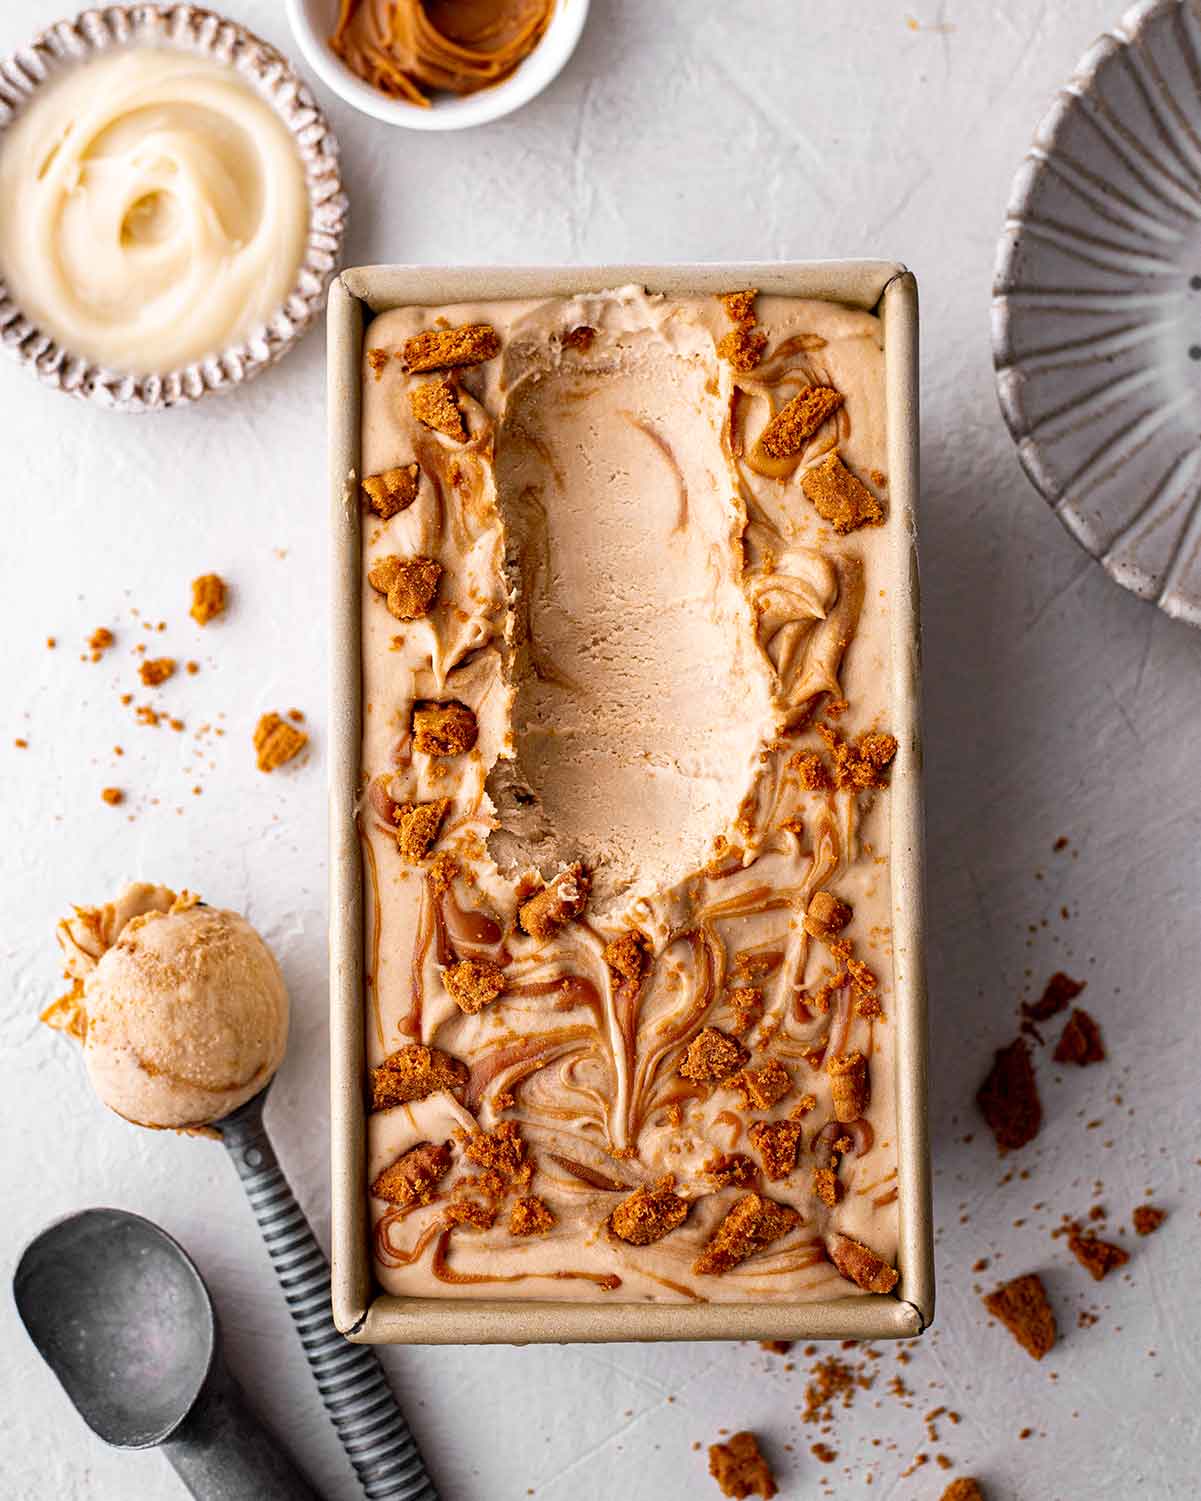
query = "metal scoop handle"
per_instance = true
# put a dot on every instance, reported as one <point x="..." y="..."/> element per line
<point x="350" y="1378"/>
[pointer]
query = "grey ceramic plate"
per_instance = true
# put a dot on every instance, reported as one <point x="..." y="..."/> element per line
<point x="1097" y="305"/>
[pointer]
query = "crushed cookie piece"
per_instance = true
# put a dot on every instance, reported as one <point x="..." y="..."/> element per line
<point x="777" y="1143"/>
<point x="414" y="1177"/>
<point x="860" y="764"/>
<point x="811" y="770"/>
<point x="579" y="338"/>
<point x="530" y="1216"/>
<point x="739" y="306"/>
<point x="276" y="742"/>
<point x="1081" y="1042"/>
<point x="649" y="1213"/>
<point x="776" y="1346"/>
<point x="628" y="956"/>
<point x="412" y="1073"/>
<point x="1022" y="1306"/>
<point x="839" y="497"/>
<point x="746" y="1004"/>
<point x="469" y="1212"/>
<point x="849" y="1085"/>
<point x="860" y="1265"/>
<point x="1059" y="990"/>
<point x="828" y="912"/>
<point x="742" y="348"/>
<point x="740" y="1469"/>
<point x="409" y="585"/>
<point x="100" y="640"/>
<point x="712" y="1054"/>
<point x="828" y="1186"/>
<point x="112" y="796"/>
<point x="435" y="406"/>
<point x="208" y="598"/>
<point x="501" y="1150"/>
<point x="798" y="420"/>
<point x="559" y="902"/>
<point x="1097" y="1257"/>
<point x="806" y="1104"/>
<point x="156" y="670"/>
<point x="392" y="490"/>
<point x="473" y="984"/>
<point x="820" y="998"/>
<point x="444" y="348"/>
<point x="1147" y="1219"/>
<point x="733" y="1170"/>
<point x="443" y="728"/>
<point x="761" y="1088"/>
<point x="377" y="360"/>
<point x="417" y="826"/>
<point x="964" y="1489"/>
<point x="1008" y="1098"/>
<point x="443" y="869"/>
<point x="753" y="1223"/>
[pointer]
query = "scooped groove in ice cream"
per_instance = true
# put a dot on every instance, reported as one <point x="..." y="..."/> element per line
<point x="181" y="1008"/>
<point x="624" y="821"/>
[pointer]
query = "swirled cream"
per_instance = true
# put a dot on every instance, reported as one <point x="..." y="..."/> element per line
<point x="625" y="814"/>
<point x="153" y="209"/>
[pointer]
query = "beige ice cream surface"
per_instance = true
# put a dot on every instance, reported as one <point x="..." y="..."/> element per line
<point x="181" y="1007"/>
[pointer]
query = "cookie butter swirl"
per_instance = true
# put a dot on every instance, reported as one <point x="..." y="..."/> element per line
<point x="624" y="817"/>
<point x="408" y="48"/>
<point x="153" y="209"/>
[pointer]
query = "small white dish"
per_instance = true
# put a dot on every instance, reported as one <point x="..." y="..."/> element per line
<point x="313" y="23"/>
<point x="1097" y="305"/>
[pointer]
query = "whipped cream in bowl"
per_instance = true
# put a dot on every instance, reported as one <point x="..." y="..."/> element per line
<point x="170" y="207"/>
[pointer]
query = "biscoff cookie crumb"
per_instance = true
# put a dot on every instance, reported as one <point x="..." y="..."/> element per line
<point x="798" y="420"/>
<point x="435" y="405"/>
<point x="208" y="598"/>
<point x="417" y="827"/>
<point x="1147" y="1219"/>
<point x="777" y="1143"/>
<point x="965" y="1489"/>
<point x="753" y="1223"/>
<point x="501" y="1150"/>
<point x="628" y="956"/>
<point x="276" y="742"/>
<point x="473" y="983"/>
<point x="761" y="1088"/>
<point x="849" y="1085"/>
<point x="861" y="1265"/>
<point x="1008" y="1098"/>
<point x="739" y="306"/>
<point x="156" y="670"/>
<point x="829" y="912"/>
<point x="409" y="585"/>
<point x="1097" y="1257"/>
<point x="377" y="361"/>
<point x="828" y="1186"/>
<point x="392" y="490"/>
<point x="412" y="1073"/>
<point x="99" y="641"/>
<point x="414" y="1177"/>
<point x="530" y="1215"/>
<point x="112" y="796"/>
<point x="811" y="770"/>
<point x="712" y="1054"/>
<point x="1022" y="1306"/>
<point x="742" y="348"/>
<point x="445" y="348"/>
<point x="839" y="497"/>
<point x="740" y="1469"/>
<point x="443" y="728"/>
<point x="1080" y="1042"/>
<point x="559" y="902"/>
<point x="649" y="1213"/>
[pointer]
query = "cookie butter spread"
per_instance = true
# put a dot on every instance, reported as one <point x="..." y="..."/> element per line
<point x="152" y="209"/>
<point x="410" y="48"/>
<point x="625" y="812"/>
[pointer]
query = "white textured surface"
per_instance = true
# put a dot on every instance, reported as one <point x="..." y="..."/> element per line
<point x="1057" y="704"/>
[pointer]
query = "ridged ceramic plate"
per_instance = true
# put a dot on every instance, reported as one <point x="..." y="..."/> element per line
<point x="1097" y="305"/>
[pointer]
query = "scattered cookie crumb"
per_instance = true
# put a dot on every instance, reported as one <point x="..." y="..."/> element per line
<point x="740" y="1469"/>
<point x="839" y="497"/>
<point x="1081" y="1042"/>
<point x="1022" y="1306"/>
<point x="276" y="742"/>
<point x="392" y="491"/>
<point x="444" y="348"/>
<point x="712" y="1054"/>
<point x="156" y="670"/>
<point x="1008" y="1098"/>
<point x="965" y="1489"/>
<point x="413" y="1178"/>
<point x="798" y="420"/>
<point x="1097" y="1257"/>
<point x="739" y="306"/>
<point x="435" y="406"/>
<point x="414" y="1072"/>
<point x="208" y="598"/>
<point x="530" y="1216"/>
<point x="1147" y="1219"/>
<point x="742" y="348"/>
<point x="112" y="796"/>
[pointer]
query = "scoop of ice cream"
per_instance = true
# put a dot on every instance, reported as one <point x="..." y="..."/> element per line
<point x="181" y="1008"/>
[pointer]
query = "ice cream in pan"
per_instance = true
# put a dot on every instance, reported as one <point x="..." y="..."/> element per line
<point x="626" y="754"/>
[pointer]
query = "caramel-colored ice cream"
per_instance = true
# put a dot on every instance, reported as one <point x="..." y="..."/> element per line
<point x="180" y="1007"/>
<point x="624" y="820"/>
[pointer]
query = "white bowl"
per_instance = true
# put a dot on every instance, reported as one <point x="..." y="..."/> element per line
<point x="313" y="23"/>
<point x="1097" y="305"/>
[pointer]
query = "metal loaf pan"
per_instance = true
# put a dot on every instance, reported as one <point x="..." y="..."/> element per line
<point x="361" y="1311"/>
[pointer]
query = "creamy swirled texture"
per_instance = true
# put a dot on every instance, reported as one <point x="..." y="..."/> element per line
<point x="624" y="812"/>
<point x="153" y="209"/>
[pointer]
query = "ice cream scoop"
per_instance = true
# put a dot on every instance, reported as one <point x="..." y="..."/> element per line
<point x="183" y="1015"/>
<point x="181" y="1007"/>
